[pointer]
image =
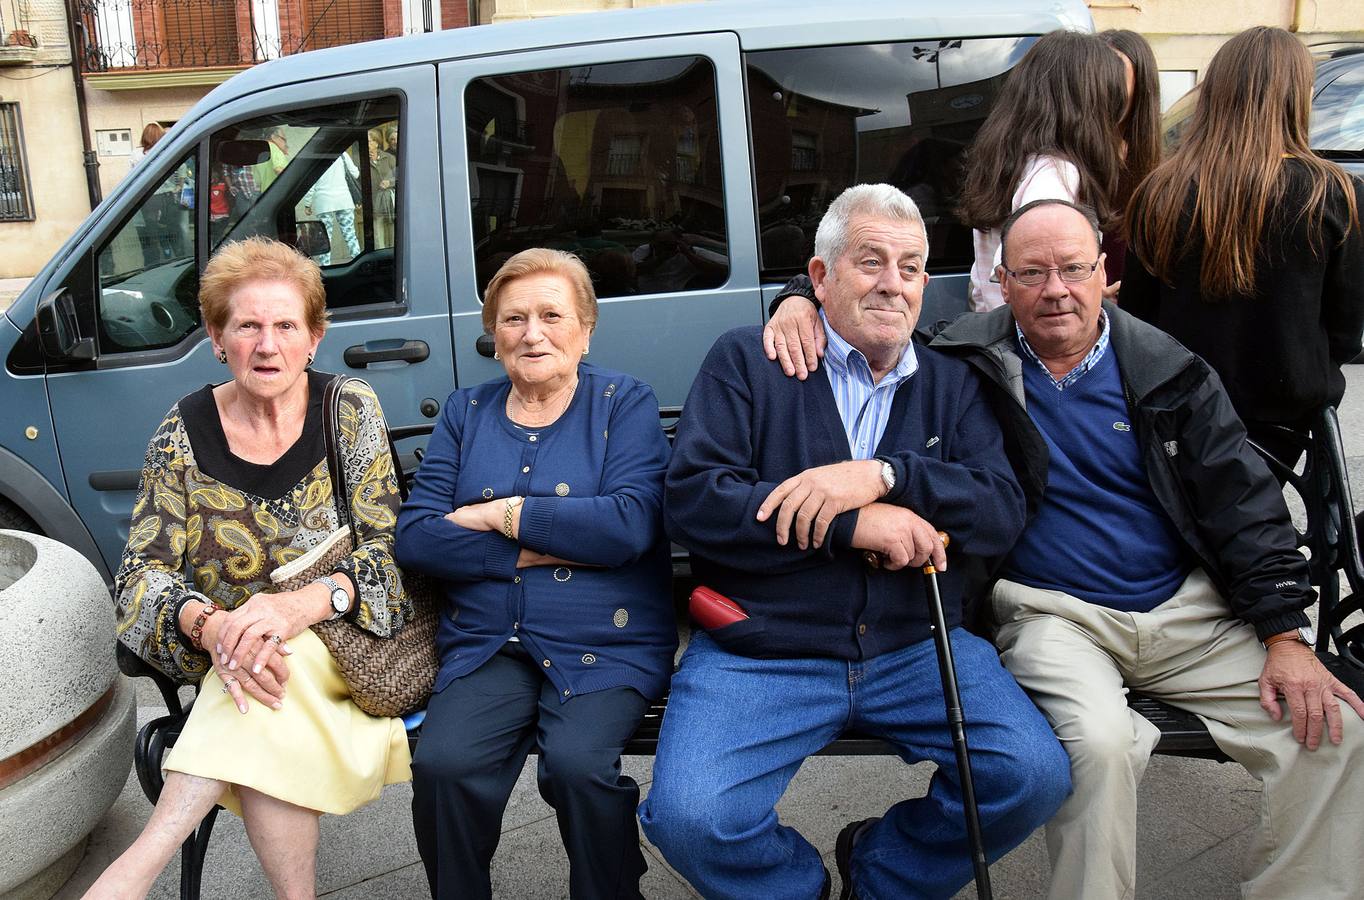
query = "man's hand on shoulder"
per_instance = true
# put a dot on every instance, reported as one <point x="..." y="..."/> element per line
<point x="805" y="504"/>
<point x="795" y="337"/>
<point x="1308" y="689"/>
<point x="901" y="537"/>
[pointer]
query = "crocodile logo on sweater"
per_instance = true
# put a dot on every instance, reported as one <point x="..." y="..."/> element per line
<point x="1121" y="426"/>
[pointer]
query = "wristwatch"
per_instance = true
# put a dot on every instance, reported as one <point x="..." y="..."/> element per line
<point x="1306" y="634"/>
<point x="887" y="474"/>
<point x="340" y="599"/>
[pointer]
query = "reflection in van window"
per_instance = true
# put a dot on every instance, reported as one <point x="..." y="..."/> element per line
<point x="826" y="118"/>
<point x="324" y="179"/>
<point x="148" y="283"/>
<point x="618" y="163"/>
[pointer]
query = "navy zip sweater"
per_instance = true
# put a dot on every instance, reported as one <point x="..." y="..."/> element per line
<point x="593" y="483"/>
<point x="746" y="427"/>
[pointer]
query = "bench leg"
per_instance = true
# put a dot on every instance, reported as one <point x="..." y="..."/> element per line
<point x="192" y="854"/>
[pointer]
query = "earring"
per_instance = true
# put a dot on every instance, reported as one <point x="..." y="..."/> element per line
<point x="585" y="350"/>
<point x="310" y="359"/>
<point x="496" y="355"/>
<point x="222" y="357"/>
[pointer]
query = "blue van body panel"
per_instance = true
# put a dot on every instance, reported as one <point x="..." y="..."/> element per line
<point x="93" y="424"/>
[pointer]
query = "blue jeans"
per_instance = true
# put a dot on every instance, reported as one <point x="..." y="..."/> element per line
<point x="738" y="728"/>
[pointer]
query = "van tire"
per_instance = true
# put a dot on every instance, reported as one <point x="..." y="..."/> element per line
<point x="14" y="518"/>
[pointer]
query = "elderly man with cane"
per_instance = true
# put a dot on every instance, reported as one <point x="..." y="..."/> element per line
<point x="1161" y="558"/>
<point x="811" y="505"/>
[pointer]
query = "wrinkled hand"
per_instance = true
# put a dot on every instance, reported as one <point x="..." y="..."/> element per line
<point x="811" y="499"/>
<point x="795" y="337"/>
<point x="1110" y="291"/>
<point x="485" y="516"/>
<point x="901" y="537"/>
<point x="1309" y="690"/>
<point x="267" y="686"/>
<point x="243" y="639"/>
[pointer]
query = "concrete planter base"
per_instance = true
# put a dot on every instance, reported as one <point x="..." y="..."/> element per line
<point x="67" y="718"/>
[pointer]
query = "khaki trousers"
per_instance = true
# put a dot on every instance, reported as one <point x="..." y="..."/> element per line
<point x="1077" y="661"/>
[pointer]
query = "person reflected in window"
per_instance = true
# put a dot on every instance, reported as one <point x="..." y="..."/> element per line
<point x="331" y="201"/>
<point x="675" y="261"/>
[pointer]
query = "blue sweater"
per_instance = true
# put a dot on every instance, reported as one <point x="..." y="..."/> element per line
<point x="593" y="483"/>
<point x="746" y="427"/>
<point x="1099" y="533"/>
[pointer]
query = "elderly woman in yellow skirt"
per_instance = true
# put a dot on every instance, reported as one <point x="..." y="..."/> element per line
<point x="236" y="484"/>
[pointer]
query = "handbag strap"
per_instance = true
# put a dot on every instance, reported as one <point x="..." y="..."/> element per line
<point x="336" y="465"/>
<point x="331" y="437"/>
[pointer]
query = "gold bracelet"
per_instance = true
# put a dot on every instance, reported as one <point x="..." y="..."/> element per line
<point x="507" y="519"/>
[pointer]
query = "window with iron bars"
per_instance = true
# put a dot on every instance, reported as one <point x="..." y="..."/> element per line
<point x="16" y="193"/>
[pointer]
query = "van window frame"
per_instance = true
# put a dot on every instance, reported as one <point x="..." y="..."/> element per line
<point x="83" y="264"/>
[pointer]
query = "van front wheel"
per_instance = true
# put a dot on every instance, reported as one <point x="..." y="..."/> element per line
<point x="13" y="517"/>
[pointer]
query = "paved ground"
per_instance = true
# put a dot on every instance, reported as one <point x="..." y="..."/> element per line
<point x="1194" y="823"/>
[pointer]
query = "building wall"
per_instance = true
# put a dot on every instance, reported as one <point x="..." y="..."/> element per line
<point x="47" y="107"/>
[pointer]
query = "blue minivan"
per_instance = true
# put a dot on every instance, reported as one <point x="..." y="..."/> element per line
<point x="685" y="152"/>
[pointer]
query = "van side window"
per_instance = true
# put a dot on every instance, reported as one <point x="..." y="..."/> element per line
<point x="618" y="163"/>
<point x="325" y="179"/>
<point x="148" y="283"/>
<point x="826" y="118"/>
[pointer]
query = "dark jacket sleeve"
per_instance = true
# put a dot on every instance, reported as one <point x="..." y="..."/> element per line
<point x="713" y="490"/>
<point x="798" y="286"/>
<point x="624" y="520"/>
<point x="428" y="542"/>
<point x="1240" y="515"/>
<point x="972" y="494"/>
<point x="1342" y="298"/>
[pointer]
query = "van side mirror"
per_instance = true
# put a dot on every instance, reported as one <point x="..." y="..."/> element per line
<point x="58" y="331"/>
<point x="311" y="238"/>
<point x="242" y="153"/>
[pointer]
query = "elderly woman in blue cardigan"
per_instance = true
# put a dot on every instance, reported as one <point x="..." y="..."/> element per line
<point x="538" y="505"/>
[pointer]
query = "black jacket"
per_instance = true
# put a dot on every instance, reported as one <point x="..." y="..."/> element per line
<point x="1279" y="349"/>
<point x="1219" y="494"/>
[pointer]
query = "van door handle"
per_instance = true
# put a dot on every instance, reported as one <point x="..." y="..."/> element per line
<point x="485" y="345"/>
<point x="360" y="356"/>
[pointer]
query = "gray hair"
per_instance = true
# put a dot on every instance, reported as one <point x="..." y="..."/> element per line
<point x="1088" y="212"/>
<point x="881" y="200"/>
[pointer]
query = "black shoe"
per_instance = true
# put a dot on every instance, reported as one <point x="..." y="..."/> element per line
<point x="843" y="851"/>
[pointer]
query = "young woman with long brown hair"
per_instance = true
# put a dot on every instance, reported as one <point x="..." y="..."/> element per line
<point x="1247" y="245"/>
<point x="1139" y="128"/>
<point x="1052" y="133"/>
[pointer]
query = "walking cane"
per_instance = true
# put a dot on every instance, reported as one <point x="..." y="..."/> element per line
<point x="956" y="721"/>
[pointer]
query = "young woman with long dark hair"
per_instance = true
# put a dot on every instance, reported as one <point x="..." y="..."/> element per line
<point x="1247" y="245"/>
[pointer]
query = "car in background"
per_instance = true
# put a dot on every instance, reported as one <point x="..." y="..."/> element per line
<point x="1337" y="130"/>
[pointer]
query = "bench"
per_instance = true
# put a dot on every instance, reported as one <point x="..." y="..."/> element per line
<point x="1329" y="538"/>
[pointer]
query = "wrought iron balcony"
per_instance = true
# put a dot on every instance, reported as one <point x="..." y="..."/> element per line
<point x="189" y="34"/>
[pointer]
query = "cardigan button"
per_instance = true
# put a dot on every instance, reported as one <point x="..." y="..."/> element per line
<point x="861" y="629"/>
<point x="547" y="664"/>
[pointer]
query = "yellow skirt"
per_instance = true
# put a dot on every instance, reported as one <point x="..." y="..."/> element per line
<point x="319" y="751"/>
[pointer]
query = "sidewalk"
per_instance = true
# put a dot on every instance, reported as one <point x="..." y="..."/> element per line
<point x="1195" y="820"/>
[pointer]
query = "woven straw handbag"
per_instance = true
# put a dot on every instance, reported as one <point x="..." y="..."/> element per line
<point x="386" y="676"/>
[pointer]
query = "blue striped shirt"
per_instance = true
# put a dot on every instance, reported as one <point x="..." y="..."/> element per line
<point x="863" y="405"/>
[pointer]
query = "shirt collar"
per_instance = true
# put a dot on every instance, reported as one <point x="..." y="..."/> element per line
<point x="845" y="359"/>
<point x="1091" y="359"/>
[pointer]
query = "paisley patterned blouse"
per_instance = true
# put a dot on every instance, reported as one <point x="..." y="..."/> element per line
<point x="207" y="524"/>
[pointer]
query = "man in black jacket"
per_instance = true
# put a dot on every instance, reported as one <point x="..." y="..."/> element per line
<point x="1159" y="556"/>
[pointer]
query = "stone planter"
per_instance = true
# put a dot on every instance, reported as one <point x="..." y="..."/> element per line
<point x="66" y="716"/>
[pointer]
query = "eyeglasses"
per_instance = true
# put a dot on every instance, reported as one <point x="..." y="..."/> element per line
<point x="1071" y="273"/>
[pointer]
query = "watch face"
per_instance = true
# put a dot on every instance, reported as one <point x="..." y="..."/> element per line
<point x="340" y="602"/>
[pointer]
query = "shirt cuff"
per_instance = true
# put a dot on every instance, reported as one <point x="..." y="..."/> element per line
<point x="1288" y="621"/>
<point x="537" y="523"/>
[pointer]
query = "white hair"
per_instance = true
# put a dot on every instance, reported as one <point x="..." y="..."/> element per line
<point x="883" y="201"/>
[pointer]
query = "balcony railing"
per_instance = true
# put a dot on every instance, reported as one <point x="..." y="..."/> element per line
<point x="189" y="34"/>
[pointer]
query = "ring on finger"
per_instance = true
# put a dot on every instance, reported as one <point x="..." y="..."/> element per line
<point x="227" y="684"/>
<point x="275" y="639"/>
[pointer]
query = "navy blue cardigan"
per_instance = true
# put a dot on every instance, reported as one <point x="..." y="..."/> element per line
<point x="593" y="483"/>
<point x="746" y="427"/>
